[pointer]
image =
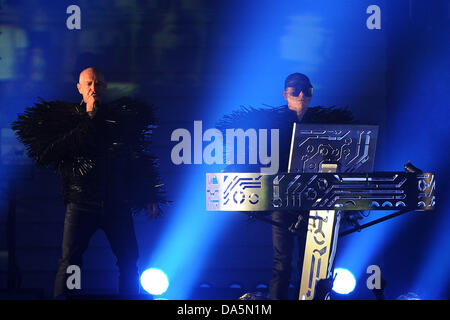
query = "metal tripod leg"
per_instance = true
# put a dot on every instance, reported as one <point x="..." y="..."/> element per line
<point x="320" y="247"/>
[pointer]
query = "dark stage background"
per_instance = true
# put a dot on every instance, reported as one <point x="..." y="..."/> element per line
<point x="199" y="60"/>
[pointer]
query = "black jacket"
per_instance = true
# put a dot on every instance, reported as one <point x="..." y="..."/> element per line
<point x="104" y="158"/>
<point x="281" y="118"/>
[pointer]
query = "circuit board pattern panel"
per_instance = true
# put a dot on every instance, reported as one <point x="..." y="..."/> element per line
<point x="320" y="191"/>
<point x="350" y="146"/>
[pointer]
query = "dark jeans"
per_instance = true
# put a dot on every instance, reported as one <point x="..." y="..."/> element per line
<point x="81" y="222"/>
<point x="283" y="247"/>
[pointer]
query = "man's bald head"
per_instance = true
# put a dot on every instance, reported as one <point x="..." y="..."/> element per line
<point x="88" y="72"/>
<point x="91" y="85"/>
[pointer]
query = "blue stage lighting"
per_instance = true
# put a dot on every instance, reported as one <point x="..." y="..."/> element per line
<point x="409" y="296"/>
<point x="154" y="281"/>
<point x="344" y="281"/>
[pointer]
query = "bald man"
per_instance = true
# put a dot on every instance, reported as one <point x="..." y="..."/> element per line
<point x="91" y="86"/>
<point x="101" y="151"/>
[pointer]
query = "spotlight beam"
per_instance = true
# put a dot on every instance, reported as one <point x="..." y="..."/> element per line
<point x="369" y="224"/>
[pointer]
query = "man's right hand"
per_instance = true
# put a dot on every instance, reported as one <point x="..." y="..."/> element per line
<point x="90" y="103"/>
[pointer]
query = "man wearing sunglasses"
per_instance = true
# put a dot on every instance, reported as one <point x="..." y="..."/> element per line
<point x="298" y="94"/>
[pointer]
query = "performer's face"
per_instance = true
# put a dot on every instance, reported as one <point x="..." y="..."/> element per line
<point x="297" y="101"/>
<point x="91" y="85"/>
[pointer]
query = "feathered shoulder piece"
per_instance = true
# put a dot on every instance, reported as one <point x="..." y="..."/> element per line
<point x="253" y="117"/>
<point x="41" y="125"/>
<point x="280" y="117"/>
<point x="134" y="113"/>
<point x="135" y="121"/>
<point x="330" y="115"/>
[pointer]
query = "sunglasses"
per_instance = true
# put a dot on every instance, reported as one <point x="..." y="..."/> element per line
<point x="307" y="91"/>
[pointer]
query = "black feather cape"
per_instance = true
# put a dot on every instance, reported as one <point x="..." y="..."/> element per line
<point x="281" y="118"/>
<point x="113" y="149"/>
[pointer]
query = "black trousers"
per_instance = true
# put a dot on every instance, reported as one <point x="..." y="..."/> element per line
<point x="81" y="222"/>
<point x="283" y="249"/>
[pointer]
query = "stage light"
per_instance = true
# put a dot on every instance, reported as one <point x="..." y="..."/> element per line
<point x="154" y="281"/>
<point x="344" y="281"/>
<point x="409" y="296"/>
